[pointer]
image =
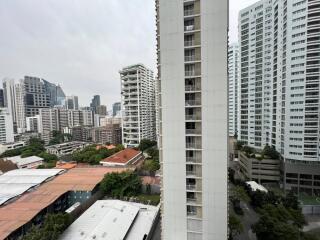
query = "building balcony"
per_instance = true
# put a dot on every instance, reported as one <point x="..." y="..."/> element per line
<point x="193" y="117"/>
<point x="193" y="131"/>
<point x="189" y="43"/>
<point x="189" y="28"/>
<point x="189" y="12"/>
<point x="193" y="145"/>
<point x="194" y="160"/>
<point x="193" y="102"/>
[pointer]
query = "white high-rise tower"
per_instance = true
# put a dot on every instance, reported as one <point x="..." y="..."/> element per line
<point x="138" y="105"/>
<point x="193" y="123"/>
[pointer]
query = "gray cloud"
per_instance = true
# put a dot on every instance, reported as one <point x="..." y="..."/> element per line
<point x="80" y="44"/>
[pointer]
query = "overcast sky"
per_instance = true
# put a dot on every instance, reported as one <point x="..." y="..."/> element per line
<point x="81" y="44"/>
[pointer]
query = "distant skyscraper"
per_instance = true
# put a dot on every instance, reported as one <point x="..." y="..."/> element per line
<point x="9" y="97"/>
<point x="95" y="103"/>
<point x="138" y="104"/>
<point x="1" y="98"/>
<point x="116" y="108"/>
<point x="6" y="126"/>
<point x="72" y="103"/>
<point x="192" y="65"/>
<point x="57" y="96"/>
<point x="233" y="79"/>
<point x="279" y="93"/>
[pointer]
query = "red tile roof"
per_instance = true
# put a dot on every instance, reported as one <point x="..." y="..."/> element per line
<point x="123" y="156"/>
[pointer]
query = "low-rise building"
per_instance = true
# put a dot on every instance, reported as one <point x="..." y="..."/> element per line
<point x="10" y="146"/>
<point x="53" y="191"/>
<point x="114" y="219"/>
<point x="124" y="158"/>
<point x="27" y="162"/>
<point x="66" y="148"/>
<point x="259" y="169"/>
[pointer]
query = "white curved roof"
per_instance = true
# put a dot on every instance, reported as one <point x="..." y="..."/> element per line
<point x="16" y="182"/>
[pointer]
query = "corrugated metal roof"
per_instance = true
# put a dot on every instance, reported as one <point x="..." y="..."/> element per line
<point x="22" y="210"/>
<point x="16" y="182"/>
<point x="113" y="220"/>
<point x="23" y="161"/>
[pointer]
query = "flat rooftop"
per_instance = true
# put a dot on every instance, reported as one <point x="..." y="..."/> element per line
<point x="113" y="220"/>
<point x="23" y="210"/>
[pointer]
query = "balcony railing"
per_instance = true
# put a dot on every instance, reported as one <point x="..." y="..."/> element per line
<point x="189" y="88"/>
<point x="193" y="117"/>
<point x="189" y="43"/>
<point x="190" y="73"/>
<point x="189" y="58"/>
<point x="193" y="102"/>
<point x="192" y="200"/>
<point x="193" y="131"/>
<point x="191" y="187"/>
<point x="188" y="12"/>
<point x="193" y="160"/>
<point x="193" y="145"/>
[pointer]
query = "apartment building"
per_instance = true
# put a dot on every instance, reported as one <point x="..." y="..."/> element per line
<point x="138" y="105"/>
<point x="72" y="103"/>
<point x="193" y="101"/>
<point x="233" y="79"/>
<point x="9" y="96"/>
<point x="60" y="119"/>
<point x="279" y="98"/>
<point x="6" y="126"/>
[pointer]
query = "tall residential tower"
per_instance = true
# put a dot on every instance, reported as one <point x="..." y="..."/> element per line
<point x="233" y="79"/>
<point x="193" y="100"/>
<point x="138" y="105"/>
<point x="280" y="77"/>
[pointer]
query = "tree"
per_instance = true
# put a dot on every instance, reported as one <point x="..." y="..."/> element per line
<point x="52" y="227"/>
<point x="240" y="194"/>
<point x="118" y="185"/>
<point x="145" y="144"/>
<point x="151" y="165"/>
<point x="278" y="223"/>
<point x="270" y="152"/>
<point x="235" y="227"/>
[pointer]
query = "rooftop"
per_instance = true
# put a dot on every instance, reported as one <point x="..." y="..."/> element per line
<point x="24" y="161"/>
<point x="113" y="220"/>
<point x="24" y="209"/>
<point x="122" y="157"/>
<point x="17" y="182"/>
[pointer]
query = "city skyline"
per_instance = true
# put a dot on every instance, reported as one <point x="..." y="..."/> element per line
<point x="92" y="56"/>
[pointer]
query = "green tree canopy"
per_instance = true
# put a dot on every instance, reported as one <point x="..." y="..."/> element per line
<point x="235" y="226"/>
<point x="146" y="143"/>
<point x="124" y="184"/>
<point x="51" y="229"/>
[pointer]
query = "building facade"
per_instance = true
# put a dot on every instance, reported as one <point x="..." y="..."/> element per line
<point x="6" y="126"/>
<point x="72" y="103"/>
<point x="138" y="105"/>
<point x="95" y="102"/>
<point x="193" y="101"/>
<point x="116" y="108"/>
<point x="9" y="97"/>
<point x="279" y="51"/>
<point x="233" y="79"/>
